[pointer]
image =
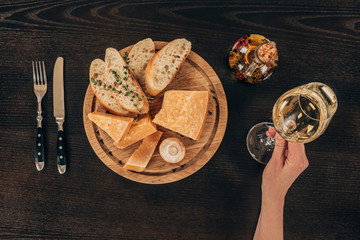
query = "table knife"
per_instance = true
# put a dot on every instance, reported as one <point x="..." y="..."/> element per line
<point x="59" y="112"/>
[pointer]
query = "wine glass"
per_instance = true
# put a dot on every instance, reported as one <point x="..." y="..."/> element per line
<point x="300" y="115"/>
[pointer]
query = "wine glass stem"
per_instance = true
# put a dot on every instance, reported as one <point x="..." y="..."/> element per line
<point x="270" y="141"/>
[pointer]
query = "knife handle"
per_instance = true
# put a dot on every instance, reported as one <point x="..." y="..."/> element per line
<point x="61" y="156"/>
<point x="39" y="153"/>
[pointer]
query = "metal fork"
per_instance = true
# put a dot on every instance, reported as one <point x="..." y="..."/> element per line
<point x="40" y="88"/>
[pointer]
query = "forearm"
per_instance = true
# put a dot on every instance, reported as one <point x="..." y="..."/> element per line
<point x="270" y="223"/>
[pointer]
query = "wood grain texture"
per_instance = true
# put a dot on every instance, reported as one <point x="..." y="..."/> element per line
<point x="195" y="75"/>
<point x="317" y="41"/>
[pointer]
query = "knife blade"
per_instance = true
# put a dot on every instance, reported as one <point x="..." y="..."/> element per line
<point x="59" y="112"/>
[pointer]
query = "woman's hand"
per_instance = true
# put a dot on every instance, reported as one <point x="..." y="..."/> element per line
<point x="286" y="164"/>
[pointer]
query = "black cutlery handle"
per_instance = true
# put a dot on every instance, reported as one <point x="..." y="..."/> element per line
<point x="39" y="153"/>
<point x="61" y="156"/>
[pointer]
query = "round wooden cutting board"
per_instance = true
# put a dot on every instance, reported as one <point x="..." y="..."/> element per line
<point x="196" y="75"/>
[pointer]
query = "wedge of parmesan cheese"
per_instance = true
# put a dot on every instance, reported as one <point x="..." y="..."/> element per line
<point x="141" y="157"/>
<point x="184" y="112"/>
<point x="141" y="128"/>
<point x="115" y="126"/>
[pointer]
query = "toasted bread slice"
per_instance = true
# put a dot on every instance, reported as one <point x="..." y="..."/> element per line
<point x="140" y="55"/>
<point x="104" y="96"/>
<point x="141" y="128"/>
<point x="123" y="86"/>
<point x="163" y="66"/>
<point x="184" y="112"/>
<point x="115" y="126"/>
<point x="141" y="157"/>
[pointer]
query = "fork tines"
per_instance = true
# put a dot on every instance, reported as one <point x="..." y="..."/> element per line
<point x="39" y="74"/>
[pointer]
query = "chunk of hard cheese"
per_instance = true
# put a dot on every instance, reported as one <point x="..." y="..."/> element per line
<point x="115" y="126"/>
<point x="141" y="157"/>
<point x="140" y="129"/>
<point x="184" y="112"/>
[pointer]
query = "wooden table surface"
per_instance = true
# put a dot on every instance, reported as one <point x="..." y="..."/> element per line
<point x="317" y="41"/>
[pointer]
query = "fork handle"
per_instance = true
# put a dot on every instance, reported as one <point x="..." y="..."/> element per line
<point x="61" y="155"/>
<point x="39" y="148"/>
<point x="39" y="154"/>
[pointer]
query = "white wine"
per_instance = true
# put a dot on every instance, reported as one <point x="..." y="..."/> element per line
<point x="302" y="114"/>
<point x="299" y="115"/>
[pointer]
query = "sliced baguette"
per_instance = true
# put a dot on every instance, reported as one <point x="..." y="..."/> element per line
<point x="140" y="55"/>
<point x="162" y="68"/>
<point x="104" y="96"/>
<point x="141" y="157"/>
<point x="124" y="88"/>
<point x="115" y="126"/>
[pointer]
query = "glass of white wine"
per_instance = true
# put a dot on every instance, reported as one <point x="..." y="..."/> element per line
<point x="300" y="115"/>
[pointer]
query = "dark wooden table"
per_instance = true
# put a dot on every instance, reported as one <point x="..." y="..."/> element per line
<point x="317" y="41"/>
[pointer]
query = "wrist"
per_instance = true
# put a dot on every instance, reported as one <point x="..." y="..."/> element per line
<point x="273" y="201"/>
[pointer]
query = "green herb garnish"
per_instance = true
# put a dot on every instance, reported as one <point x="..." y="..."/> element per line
<point x="122" y="82"/>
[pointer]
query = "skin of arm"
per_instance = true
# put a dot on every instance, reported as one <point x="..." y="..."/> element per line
<point x="286" y="164"/>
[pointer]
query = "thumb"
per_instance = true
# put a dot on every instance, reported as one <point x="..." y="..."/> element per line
<point x="297" y="155"/>
<point x="279" y="150"/>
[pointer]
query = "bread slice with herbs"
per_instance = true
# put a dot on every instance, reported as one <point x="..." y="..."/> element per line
<point x="163" y="66"/>
<point x="140" y="55"/>
<point x="123" y="86"/>
<point x="103" y="95"/>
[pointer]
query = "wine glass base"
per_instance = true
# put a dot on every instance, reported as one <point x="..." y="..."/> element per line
<point x="259" y="145"/>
